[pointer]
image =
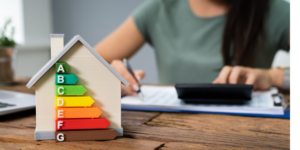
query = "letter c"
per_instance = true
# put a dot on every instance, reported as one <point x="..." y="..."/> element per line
<point x="60" y="92"/>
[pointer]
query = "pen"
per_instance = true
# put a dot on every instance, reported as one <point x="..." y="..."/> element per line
<point x="125" y="61"/>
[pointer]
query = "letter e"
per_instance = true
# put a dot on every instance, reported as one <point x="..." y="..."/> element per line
<point x="60" y="113"/>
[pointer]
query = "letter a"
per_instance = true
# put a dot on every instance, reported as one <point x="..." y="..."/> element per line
<point x="60" y="68"/>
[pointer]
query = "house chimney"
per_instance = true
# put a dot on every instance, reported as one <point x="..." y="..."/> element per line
<point x="57" y="44"/>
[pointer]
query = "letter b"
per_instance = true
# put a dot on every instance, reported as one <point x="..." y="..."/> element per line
<point x="60" y="79"/>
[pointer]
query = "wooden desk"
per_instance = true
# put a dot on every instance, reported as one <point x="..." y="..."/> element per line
<point x="156" y="130"/>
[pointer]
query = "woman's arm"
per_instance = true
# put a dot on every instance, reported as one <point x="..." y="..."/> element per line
<point x="123" y="43"/>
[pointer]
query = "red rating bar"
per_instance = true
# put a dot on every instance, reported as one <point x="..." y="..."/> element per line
<point x="77" y="124"/>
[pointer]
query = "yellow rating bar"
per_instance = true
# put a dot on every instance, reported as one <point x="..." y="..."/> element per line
<point x="73" y="101"/>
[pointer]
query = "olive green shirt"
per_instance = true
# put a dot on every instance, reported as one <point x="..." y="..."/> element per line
<point x="188" y="47"/>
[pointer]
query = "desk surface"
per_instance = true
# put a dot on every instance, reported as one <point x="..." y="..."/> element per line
<point x="156" y="130"/>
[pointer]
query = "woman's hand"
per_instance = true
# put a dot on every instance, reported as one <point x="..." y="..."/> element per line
<point x="119" y="66"/>
<point x="261" y="79"/>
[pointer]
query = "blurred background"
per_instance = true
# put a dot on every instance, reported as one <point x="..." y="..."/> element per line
<point x="34" y="20"/>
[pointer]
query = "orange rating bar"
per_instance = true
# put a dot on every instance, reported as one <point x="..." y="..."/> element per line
<point x="89" y="112"/>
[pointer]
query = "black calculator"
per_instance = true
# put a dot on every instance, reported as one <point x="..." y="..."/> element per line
<point x="214" y="93"/>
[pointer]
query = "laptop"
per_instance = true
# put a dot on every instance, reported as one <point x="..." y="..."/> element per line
<point x="11" y="102"/>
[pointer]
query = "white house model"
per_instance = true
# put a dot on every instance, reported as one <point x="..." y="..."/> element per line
<point x="102" y="82"/>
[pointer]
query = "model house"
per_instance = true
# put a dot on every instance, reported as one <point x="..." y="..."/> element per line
<point x="101" y="82"/>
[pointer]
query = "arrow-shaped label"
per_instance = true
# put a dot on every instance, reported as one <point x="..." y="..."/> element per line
<point x="72" y="101"/>
<point x="62" y="67"/>
<point x="70" y="90"/>
<point x="85" y="135"/>
<point x="73" y="124"/>
<point x="65" y="79"/>
<point x="90" y="112"/>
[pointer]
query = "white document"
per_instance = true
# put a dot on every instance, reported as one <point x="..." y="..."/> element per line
<point x="158" y="97"/>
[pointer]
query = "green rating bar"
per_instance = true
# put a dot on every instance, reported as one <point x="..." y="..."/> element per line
<point x="62" y="67"/>
<point x="70" y="90"/>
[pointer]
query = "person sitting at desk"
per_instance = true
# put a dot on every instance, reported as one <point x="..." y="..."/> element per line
<point x="200" y="41"/>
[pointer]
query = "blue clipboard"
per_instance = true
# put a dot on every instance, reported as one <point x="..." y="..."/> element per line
<point x="285" y="116"/>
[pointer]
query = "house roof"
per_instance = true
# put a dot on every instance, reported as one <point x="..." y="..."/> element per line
<point x="51" y="62"/>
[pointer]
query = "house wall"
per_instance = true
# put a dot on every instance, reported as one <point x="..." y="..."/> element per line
<point x="45" y="97"/>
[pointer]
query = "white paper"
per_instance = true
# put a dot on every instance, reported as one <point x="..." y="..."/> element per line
<point x="160" y="97"/>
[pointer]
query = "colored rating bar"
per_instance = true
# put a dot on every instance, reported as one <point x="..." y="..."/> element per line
<point x="62" y="67"/>
<point x="72" y="101"/>
<point x="65" y="79"/>
<point x="90" y="112"/>
<point x="72" y="124"/>
<point x="70" y="90"/>
<point x="85" y="135"/>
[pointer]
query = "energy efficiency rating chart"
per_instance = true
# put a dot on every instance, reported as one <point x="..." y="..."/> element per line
<point x="74" y="111"/>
